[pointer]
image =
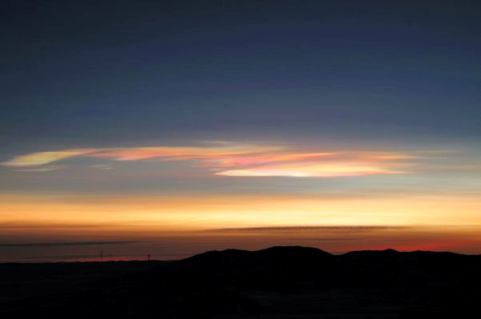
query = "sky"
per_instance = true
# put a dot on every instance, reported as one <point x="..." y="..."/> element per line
<point x="173" y="127"/>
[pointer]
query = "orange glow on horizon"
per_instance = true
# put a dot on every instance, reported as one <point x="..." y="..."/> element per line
<point x="187" y="214"/>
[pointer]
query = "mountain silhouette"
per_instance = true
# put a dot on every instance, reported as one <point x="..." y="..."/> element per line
<point x="277" y="282"/>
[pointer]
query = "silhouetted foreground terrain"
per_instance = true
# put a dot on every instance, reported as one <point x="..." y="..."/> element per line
<point x="278" y="282"/>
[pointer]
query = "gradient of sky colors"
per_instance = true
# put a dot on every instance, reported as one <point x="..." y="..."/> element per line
<point x="168" y="128"/>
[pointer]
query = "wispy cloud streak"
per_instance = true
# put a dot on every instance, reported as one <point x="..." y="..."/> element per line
<point x="339" y="228"/>
<point x="237" y="160"/>
<point x="43" y="158"/>
<point x="300" y="169"/>
<point x="68" y="244"/>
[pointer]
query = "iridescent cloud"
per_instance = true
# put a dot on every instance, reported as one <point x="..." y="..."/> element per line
<point x="241" y="160"/>
<point x="43" y="158"/>
<point x="313" y="170"/>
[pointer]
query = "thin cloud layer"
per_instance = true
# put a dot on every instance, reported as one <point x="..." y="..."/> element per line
<point x="67" y="244"/>
<point x="236" y="160"/>
<point x="323" y="229"/>
<point x="300" y="169"/>
<point x="43" y="158"/>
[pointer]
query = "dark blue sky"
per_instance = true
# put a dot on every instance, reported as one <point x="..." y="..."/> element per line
<point x="255" y="114"/>
<point x="103" y="73"/>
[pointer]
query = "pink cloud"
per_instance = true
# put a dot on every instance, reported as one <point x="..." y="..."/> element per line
<point x="241" y="160"/>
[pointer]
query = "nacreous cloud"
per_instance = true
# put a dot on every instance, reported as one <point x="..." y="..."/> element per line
<point x="42" y="158"/>
<point x="312" y="170"/>
<point x="241" y="160"/>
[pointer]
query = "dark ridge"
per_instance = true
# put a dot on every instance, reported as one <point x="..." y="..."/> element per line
<point x="293" y="251"/>
<point x="272" y="253"/>
<point x="214" y="255"/>
<point x="277" y="282"/>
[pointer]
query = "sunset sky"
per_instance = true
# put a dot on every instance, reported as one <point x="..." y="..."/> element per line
<point x="173" y="127"/>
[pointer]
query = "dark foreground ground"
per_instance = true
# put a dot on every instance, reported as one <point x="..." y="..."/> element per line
<point x="279" y="282"/>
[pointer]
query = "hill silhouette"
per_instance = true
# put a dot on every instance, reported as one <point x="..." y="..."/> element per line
<point x="277" y="282"/>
